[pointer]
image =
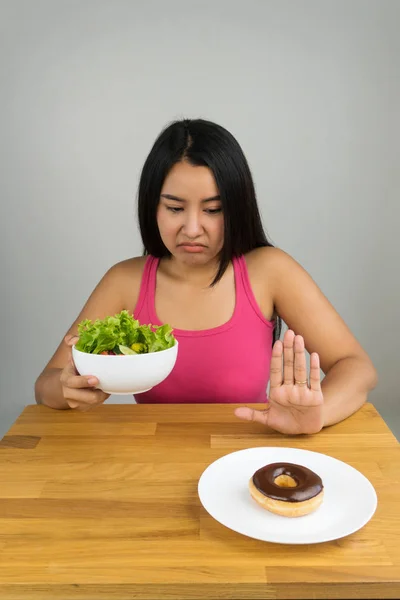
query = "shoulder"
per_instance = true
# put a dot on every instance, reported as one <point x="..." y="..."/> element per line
<point x="124" y="278"/>
<point x="282" y="278"/>
<point x="269" y="255"/>
<point x="130" y="267"/>
<point x="272" y="264"/>
<point x="304" y="308"/>
<point x="118" y="289"/>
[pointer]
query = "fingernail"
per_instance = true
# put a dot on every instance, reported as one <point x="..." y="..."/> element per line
<point x="92" y="380"/>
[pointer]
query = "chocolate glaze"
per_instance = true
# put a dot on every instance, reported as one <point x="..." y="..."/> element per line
<point x="309" y="484"/>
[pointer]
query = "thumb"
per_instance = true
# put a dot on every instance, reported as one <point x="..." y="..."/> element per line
<point x="70" y="368"/>
<point x="250" y="414"/>
<point x="71" y="340"/>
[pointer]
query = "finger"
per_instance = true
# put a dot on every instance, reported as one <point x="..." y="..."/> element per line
<point x="80" y="396"/>
<point x="300" y="363"/>
<point x="85" y="406"/>
<point x="69" y="369"/>
<point x="70" y="377"/>
<point x="71" y="340"/>
<point x="315" y="373"/>
<point x="70" y="366"/>
<point x="70" y="380"/>
<point x="249" y="414"/>
<point x="80" y="406"/>
<point x="276" y="365"/>
<point x="88" y="397"/>
<point x="72" y="403"/>
<point x="288" y="357"/>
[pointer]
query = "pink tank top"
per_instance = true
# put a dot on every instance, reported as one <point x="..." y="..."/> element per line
<point x="226" y="364"/>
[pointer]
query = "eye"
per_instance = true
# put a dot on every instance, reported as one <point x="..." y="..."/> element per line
<point x="174" y="209"/>
<point x="213" y="211"/>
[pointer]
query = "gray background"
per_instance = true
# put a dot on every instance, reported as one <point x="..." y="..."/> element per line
<point x="309" y="88"/>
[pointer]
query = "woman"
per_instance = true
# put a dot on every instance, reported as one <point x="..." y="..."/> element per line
<point x="209" y="271"/>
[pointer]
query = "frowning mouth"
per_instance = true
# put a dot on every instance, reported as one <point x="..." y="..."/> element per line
<point x="191" y="247"/>
<point x="192" y="244"/>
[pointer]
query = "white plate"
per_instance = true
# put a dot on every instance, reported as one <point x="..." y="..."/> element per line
<point x="349" y="498"/>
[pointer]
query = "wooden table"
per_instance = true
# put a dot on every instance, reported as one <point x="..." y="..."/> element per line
<point x="104" y="505"/>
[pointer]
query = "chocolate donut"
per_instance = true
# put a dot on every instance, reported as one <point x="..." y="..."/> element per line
<point x="287" y="489"/>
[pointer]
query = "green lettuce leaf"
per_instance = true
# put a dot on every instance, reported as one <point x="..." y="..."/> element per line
<point x="122" y="330"/>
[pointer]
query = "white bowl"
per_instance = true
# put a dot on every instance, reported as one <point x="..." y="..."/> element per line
<point x="126" y="374"/>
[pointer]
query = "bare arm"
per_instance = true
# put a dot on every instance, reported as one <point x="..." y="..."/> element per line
<point x="117" y="290"/>
<point x="349" y="372"/>
<point x="48" y="389"/>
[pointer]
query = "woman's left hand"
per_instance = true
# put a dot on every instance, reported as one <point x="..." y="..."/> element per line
<point x="295" y="406"/>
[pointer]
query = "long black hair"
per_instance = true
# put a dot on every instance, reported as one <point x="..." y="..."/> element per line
<point x="203" y="143"/>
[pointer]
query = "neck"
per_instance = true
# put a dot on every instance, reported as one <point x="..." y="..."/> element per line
<point x="194" y="275"/>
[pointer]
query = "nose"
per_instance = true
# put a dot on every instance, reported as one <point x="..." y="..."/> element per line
<point x="192" y="226"/>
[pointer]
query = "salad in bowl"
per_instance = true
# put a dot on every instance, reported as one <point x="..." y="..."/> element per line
<point x="127" y="357"/>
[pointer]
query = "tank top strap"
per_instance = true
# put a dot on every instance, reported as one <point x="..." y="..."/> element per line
<point x="244" y="291"/>
<point x="240" y="271"/>
<point x="147" y="284"/>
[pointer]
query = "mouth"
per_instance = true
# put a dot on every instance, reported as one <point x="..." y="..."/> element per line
<point x="192" y="244"/>
<point x="190" y="247"/>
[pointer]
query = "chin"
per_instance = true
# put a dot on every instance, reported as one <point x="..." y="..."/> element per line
<point x="196" y="258"/>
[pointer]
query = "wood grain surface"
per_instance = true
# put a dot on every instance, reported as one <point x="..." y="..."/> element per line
<point x="103" y="505"/>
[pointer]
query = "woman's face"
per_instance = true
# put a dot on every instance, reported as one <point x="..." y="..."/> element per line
<point x="189" y="214"/>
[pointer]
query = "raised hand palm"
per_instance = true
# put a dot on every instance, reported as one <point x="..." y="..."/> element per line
<point x="294" y="406"/>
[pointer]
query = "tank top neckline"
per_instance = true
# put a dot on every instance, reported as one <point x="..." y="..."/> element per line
<point x="152" y="280"/>
<point x="242" y="290"/>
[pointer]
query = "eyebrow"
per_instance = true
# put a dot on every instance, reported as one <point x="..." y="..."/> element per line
<point x="171" y="197"/>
